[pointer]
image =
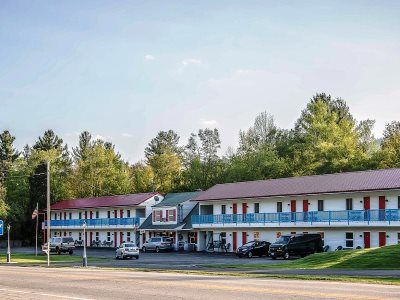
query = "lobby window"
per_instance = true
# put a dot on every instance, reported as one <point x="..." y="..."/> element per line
<point x="223" y="209"/>
<point x="349" y="204"/>
<point x="320" y="205"/>
<point x="349" y="239"/>
<point x="256" y="208"/>
<point x="279" y="207"/>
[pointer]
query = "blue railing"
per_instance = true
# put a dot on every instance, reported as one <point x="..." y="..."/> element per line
<point x="349" y="216"/>
<point x="95" y="222"/>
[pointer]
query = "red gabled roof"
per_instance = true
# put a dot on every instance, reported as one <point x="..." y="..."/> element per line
<point x="105" y="201"/>
<point x="375" y="180"/>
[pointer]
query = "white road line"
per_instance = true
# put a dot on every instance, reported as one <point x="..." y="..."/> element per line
<point x="40" y="294"/>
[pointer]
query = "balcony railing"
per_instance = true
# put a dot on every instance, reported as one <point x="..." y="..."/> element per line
<point x="349" y="216"/>
<point x="95" y="222"/>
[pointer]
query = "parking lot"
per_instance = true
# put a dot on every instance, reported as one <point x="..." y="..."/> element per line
<point x="162" y="260"/>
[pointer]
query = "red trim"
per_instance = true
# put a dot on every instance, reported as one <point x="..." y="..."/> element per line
<point x="293" y="205"/>
<point x="367" y="240"/>
<point x="244" y="208"/>
<point x="382" y="239"/>
<point x="167" y="216"/>
<point x="305" y="205"/>
<point x="234" y="208"/>
<point x="174" y="214"/>
<point x="367" y="203"/>
<point x="160" y="215"/>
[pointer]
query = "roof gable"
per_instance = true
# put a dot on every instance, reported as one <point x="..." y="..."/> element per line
<point x="173" y="199"/>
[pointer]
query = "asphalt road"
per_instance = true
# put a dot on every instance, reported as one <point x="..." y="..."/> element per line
<point x="76" y="283"/>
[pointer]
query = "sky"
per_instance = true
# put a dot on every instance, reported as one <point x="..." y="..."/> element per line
<point x="125" y="70"/>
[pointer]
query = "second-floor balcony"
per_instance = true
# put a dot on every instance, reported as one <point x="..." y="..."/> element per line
<point x="97" y="223"/>
<point x="383" y="216"/>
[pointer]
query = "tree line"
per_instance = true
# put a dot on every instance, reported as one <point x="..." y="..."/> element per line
<point x="326" y="138"/>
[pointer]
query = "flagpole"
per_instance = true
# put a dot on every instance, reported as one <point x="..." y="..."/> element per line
<point x="37" y="223"/>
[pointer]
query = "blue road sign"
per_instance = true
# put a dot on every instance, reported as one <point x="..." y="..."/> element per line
<point x="1" y="227"/>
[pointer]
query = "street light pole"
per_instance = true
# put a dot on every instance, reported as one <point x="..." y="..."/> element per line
<point x="8" y="244"/>
<point x="48" y="213"/>
<point x="84" y="258"/>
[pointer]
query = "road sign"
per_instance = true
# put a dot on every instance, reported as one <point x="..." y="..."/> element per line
<point x="1" y="227"/>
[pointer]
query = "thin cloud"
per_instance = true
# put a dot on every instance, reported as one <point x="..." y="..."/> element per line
<point x="209" y="123"/>
<point x="127" y="135"/>
<point x="149" y="57"/>
<point x="191" y="61"/>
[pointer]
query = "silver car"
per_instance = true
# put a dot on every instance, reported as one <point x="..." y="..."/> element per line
<point x="127" y="250"/>
<point x="158" y="243"/>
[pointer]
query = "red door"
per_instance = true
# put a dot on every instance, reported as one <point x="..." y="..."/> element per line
<point x="244" y="238"/>
<point x="382" y="239"/>
<point x="115" y="239"/>
<point x="244" y="208"/>
<point x="367" y="203"/>
<point x="367" y="240"/>
<point x="305" y="205"/>
<point x="382" y="202"/>
<point x="293" y="205"/>
<point x="234" y="242"/>
<point x="234" y="208"/>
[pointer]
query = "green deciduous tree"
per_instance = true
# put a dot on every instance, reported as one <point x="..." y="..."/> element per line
<point x="390" y="154"/>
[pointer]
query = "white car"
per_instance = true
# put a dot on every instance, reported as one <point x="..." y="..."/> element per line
<point x="127" y="250"/>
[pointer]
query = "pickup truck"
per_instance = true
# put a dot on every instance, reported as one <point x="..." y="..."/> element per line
<point x="60" y="245"/>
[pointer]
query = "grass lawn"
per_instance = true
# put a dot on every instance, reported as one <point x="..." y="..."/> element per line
<point x="42" y="259"/>
<point x="384" y="258"/>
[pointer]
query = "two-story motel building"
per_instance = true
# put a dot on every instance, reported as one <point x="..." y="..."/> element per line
<point x="110" y="220"/>
<point x="352" y="210"/>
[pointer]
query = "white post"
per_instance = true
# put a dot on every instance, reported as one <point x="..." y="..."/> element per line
<point x="84" y="259"/>
<point x="48" y="214"/>
<point x="8" y="244"/>
<point x="37" y="225"/>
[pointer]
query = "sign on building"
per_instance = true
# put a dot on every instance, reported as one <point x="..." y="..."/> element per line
<point x="1" y="227"/>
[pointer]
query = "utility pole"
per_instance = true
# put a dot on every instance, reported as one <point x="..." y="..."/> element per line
<point x="8" y="244"/>
<point x="84" y="258"/>
<point x="48" y="213"/>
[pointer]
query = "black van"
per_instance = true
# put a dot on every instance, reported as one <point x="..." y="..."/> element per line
<point x="296" y="245"/>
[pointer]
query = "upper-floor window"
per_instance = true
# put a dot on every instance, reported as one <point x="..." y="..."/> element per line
<point x="349" y="204"/>
<point x="109" y="214"/>
<point x="171" y="215"/>
<point x="128" y="213"/>
<point x="80" y="215"/>
<point x="223" y="209"/>
<point x="398" y="202"/>
<point x="320" y="205"/>
<point x="157" y="215"/>
<point x="278" y="207"/>
<point x="97" y="214"/>
<point x="70" y="215"/>
<point x="256" y="208"/>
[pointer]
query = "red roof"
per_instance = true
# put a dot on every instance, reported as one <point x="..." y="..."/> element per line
<point x="375" y="180"/>
<point x="106" y="201"/>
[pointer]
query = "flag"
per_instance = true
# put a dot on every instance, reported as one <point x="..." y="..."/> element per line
<point x="35" y="212"/>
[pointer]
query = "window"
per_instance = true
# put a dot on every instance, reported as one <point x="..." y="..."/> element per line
<point x="128" y="236"/>
<point x="97" y="236"/>
<point x="320" y="205"/>
<point x="223" y="238"/>
<point x="398" y="202"/>
<point x="293" y="232"/>
<point x="349" y="239"/>
<point x="80" y="236"/>
<point x="70" y="233"/>
<point x="55" y="216"/>
<point x="398" y="238"/>
<point x="97" y="214"/>
<point x="223" y="209"/>
<point x="256" y="208"/>
<point x="157" y="215"/>
<point x="91" y="214"/>
<point x="108" y="236"/>
<point x="171" y="214"/>
<point x="128" y="213"/>
<point x="109" y="214"/>
<point x="349" y="204"/>
<point x="80" y="215"/>
<point x="70" y="215"/>
<point x="279" y="207"/>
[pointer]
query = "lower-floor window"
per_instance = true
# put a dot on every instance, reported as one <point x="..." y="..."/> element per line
<point x="80" y="236"/>
<point x="97" y="236"/>
<point x="398" y="237"/>
<point x="128" y="236"/>
<point x="108" y="236"/>
<point x="70" y="233"/>
<point x="223" y="238"/>
<point x="349" y="239"/>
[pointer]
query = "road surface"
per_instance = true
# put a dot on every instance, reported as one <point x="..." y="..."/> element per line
<point x="77" y="283"/>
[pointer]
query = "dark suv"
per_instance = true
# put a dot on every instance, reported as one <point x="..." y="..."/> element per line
<point x="296" y="245"/>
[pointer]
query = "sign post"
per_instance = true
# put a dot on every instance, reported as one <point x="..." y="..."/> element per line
<point x="84" y="258"/>
<point x="8" y="244"/>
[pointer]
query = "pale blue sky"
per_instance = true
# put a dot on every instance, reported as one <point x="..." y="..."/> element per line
<point x="126" y="69"/>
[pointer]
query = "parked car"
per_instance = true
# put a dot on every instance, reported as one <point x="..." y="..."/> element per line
<point x="254" y="248"/>
<point x="127" y="250"/>
<point x="296" y="245"/>
<point x="60" y="245"/>
<point x="158" y="244"/>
